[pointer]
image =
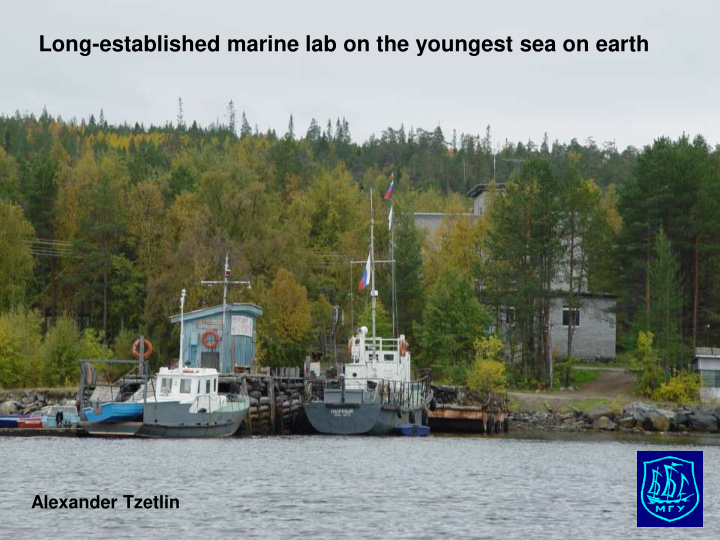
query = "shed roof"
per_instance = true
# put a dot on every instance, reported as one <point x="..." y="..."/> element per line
<point x="236" y="307"/>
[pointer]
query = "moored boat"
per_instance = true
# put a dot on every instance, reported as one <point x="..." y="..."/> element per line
<point x="375" y="392"/>
<point x="413" y="430"/>
<point x="114" y="412"/>
<point x="186" y="403"/>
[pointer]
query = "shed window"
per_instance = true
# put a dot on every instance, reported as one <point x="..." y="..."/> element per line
<point x="566" y="316"/>
<point x="185" y="386"/>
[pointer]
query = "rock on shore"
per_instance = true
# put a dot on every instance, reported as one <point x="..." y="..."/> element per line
<point x="29" y="401"/>
<point x="635" y="417"/>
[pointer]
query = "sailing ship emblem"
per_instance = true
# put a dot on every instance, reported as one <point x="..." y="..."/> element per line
<point x="669" y="490"/>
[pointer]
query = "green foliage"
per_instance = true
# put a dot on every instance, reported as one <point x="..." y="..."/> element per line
<point x="286" y="341"/>
<point x="61" y="351"/>
<point x="674" y="187"/>
<point x="646" y="363"/>
<point x="664" y="316"/>
<point x="453" y="319"/>
<point x="383" y="319"/>
<point x="488" y="371"/>
<point x="682" y="389"/>
<point x="16" y="260"/>
<point x="409" y="272"/>
<point x="565" y="370"/>
<point x="20" y="343"/>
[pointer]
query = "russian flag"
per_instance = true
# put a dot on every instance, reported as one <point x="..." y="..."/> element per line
<point x="390" y="190"/>
<point x="365" y="279"/>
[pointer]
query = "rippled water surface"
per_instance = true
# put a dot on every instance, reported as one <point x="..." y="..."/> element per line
<point x="337" y="487"/>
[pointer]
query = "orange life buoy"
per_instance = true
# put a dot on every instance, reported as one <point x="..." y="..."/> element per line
<point x="403" y="347"/>
<point x="136" y="349"/>
<point x="210" y="332"/>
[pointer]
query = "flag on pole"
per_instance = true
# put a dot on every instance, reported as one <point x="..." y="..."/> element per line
<point x="390" y="190"/>
<point x="390" y="216"/>
<point x="365" y="279"/>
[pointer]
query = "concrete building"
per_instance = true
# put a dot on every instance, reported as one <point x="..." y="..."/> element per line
<point x="204" y="344"/>
<point x="707" y="364"/>
<point x="594" y="333"/>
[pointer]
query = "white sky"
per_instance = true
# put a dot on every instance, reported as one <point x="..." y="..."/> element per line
<point x="629" y="97"/>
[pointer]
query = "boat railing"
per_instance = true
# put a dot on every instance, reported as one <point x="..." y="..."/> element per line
<point x="382" y="344"/>
<point x="391" y="393"/>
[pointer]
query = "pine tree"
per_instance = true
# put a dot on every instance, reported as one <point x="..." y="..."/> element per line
<point x="180" y="114"/>
<point x="231" y="117"/>
<point x="245" y="129"/>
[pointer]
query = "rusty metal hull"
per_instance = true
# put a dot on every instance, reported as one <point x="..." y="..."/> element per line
<point x="466" y="419"/>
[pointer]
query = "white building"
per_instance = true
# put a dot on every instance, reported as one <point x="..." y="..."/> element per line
<point x="594" y="331"/>
<point x="707" y="364"/>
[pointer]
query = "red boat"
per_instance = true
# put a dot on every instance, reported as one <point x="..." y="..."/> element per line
<point x="30" y="423"/>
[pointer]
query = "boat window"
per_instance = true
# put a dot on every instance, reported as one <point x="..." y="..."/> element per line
<point x="389" y="357"/>
<point x="199" y="383"/>
<point x="214" y="385"/>
<point x="207" y="386"/>
<point x="165" y="386"/>
<point x="185" y="386"/>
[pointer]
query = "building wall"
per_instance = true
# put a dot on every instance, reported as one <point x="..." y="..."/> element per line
<point x="238" y="346"/>
<point x="431" y="222"/>
<point x="595" y="338"/>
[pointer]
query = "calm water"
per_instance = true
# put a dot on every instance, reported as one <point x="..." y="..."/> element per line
<point x="336" y="487"/>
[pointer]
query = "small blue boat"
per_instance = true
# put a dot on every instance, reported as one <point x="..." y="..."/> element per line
<point x="114" y="412"/>
<point x="9" y="421"/>
<point x="413" y="430"/>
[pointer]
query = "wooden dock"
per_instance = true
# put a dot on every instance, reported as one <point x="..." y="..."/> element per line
<point x="460" y="410"/>
<point x="42" y="432"/>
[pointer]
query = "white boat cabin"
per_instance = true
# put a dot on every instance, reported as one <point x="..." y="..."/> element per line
<point x="189" y="385"/>
<point x="386" y="359"/>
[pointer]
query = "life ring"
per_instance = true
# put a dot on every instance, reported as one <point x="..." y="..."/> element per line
<point x="136" y="349"/>
<point x="403" y="347"/>
<point x="210" y="332"/>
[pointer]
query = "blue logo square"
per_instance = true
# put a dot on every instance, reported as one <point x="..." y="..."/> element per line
<point x="669" y="489"/>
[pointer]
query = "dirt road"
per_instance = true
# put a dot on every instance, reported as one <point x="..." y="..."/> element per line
<point x="610" y="383"/>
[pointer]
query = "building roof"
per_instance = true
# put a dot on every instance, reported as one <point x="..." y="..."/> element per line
<point x="707" y="352"/>
<point x="480" y="188"/>
<point x="236" y="307"/>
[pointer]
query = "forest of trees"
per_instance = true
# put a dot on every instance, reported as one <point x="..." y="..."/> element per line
<point x="102" y="225"/>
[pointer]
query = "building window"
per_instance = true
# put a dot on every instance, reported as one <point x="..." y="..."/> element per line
<point x="710" y="379"/>
<point x="510" y="316"/>
<point x="185" y="386"/>
<point x="566" y="316"/>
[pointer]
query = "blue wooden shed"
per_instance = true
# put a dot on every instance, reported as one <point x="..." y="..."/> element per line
<point x="238" y="350"/>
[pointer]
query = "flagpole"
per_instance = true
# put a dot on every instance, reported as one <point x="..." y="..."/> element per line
<point x="373" y="293"/>
<point x="392" y="288"/>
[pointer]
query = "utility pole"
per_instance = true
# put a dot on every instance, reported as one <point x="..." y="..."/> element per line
<point x="225" y="282"/>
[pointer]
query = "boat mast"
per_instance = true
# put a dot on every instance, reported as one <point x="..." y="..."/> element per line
<point x="225" y="282"/>
<point x="373" y="292"/>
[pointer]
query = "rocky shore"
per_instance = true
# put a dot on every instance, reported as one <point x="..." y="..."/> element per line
<point x="29" y="401"/>
<point x="636" y="417"/>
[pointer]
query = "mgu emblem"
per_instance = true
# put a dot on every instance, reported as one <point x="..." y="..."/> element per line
<point x="669" y="490"/>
